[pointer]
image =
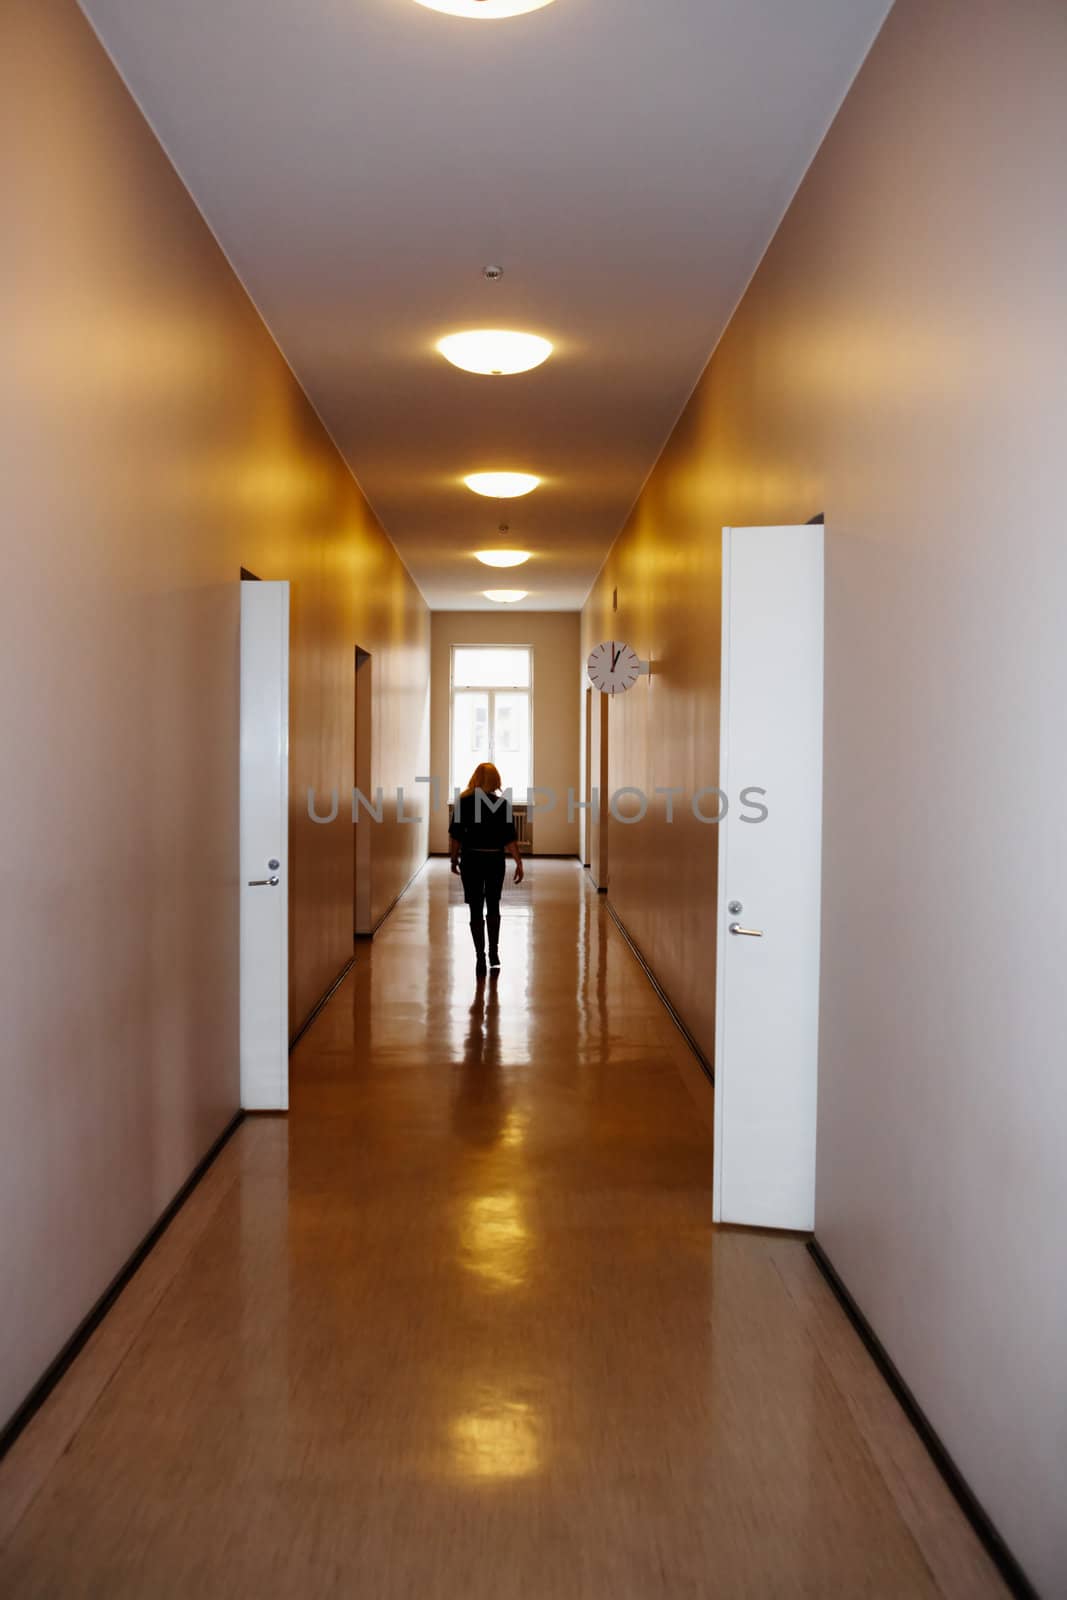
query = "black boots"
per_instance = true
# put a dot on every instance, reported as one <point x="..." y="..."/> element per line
<point x="478" y="932"/>
<point x="478" y="935"/>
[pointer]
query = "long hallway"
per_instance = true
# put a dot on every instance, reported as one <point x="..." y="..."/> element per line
<point x="460" y="1327"/>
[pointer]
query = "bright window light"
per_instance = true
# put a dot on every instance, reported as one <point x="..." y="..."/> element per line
<point x="495" y="351"/>
<point x="492" y="713"/>
<point x="479" y="666"/>
<point x="502" y="558"/>
<point x="484" y="10"/>
<point x="501" y="485"/>
<point x="505" y="597"/>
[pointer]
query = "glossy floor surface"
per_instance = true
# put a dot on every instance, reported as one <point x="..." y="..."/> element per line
<point x="461" y="1327"/>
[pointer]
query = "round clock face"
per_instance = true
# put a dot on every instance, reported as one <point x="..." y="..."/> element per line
<point x="613" y="667"/>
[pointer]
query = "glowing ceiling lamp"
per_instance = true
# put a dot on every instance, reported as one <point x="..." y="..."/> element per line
<point x="502" y="558"/>
<point x="505" y="597"/>
<point x="495" y="351"/>
<point x="501" y="485"/>
<point x="484" y="10"/>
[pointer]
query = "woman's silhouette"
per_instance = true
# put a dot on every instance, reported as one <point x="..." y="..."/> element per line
<point x="482" y="836"/>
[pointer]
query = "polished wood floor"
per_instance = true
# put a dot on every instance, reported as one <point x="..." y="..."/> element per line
<point x="460" y="1327"/>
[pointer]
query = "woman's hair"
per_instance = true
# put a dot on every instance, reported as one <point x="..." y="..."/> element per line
<point x="485" y="777"/>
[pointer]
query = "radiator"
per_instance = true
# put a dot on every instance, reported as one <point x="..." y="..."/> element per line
<point x="523" y="827"/>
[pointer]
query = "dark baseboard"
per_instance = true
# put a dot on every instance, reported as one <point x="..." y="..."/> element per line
<point x="664" y="998"/>
<point x="89" y="1324"/>
<point x="321" y="1003"/>
<point x="965" y="1497"/>
<point x="325" y="998"/>
<point x="391" y="907"/>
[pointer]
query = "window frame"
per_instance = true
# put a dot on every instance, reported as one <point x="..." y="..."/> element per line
<point x="455" y="780"/>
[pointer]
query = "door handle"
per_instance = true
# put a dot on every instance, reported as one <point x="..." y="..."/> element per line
<point x="748" y="933"/>
<point x="263" y="883"/>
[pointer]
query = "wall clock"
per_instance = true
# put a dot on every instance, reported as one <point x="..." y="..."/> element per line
<point x="613" y="667"/>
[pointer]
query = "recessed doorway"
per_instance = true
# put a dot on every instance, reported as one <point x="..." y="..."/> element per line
<point x="361" y="778"/>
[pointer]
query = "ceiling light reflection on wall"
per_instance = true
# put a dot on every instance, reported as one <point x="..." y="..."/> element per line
<point x="502" y="558"/>
<point x="505" y="597"/>
<point x="495" y="351"/>
<point x="501" y="485"/>
<point x="484" y="10"/>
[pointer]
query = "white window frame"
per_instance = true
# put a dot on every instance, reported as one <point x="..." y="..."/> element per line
<point x="457" y="780"/>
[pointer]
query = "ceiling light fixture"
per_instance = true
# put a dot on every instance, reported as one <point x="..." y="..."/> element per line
<point x="501" y="485"/>
<point x="502" y="558"/>
<point x="484" y="10"/>
<point x="505" y="597"/>
<point x="495" y="351"/>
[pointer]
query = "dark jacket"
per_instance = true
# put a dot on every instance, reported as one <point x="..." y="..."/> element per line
<point x="482" y="822"/>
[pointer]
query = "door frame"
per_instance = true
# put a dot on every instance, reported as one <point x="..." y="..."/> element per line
<point x="362" y="770"/>
<point x="600" y="814"/>
<point x="587" y="787"/>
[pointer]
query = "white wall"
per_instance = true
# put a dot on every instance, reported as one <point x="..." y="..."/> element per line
<point x="942" y="1169"/>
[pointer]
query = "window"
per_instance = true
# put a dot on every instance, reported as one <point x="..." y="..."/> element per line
<point x="491" y="720"/>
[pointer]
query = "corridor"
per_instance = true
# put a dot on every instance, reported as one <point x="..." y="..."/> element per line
<point x="460" y="1327"/>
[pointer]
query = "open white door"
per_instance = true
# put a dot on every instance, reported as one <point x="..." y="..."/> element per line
<point x="264" y="846"/>
<point x="767" y="1023"/>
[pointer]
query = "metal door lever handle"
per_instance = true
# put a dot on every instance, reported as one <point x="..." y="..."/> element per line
<point x="263" y="883"/>
<point x="749" y="933"/>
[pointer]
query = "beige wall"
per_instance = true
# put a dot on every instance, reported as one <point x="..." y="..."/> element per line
<point x="556" y="709"/>
<point x="898" y="363"/>
<point x="152" y="442"/>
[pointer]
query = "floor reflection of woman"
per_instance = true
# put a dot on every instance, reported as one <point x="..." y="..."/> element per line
<point x="481" y="837"/>
<point x="479" y="1110"/>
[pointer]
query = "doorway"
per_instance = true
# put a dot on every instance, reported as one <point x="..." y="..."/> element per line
<point x="597" y="829"/>
<point x="587" y="795"/>
<point x="362" y="745"/>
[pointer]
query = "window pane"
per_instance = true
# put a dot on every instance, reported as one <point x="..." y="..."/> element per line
<point x="470" y="735"/>
<point x="511" y="740"/>
<point x="486" y="667"/>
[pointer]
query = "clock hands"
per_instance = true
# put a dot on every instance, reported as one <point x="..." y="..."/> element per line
<point x="606" y="671"/>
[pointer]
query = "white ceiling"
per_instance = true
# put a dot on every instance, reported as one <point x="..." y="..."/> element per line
<point x="625" y="161"/>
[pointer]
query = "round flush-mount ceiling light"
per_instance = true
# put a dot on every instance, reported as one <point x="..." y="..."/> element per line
<point x="495" y="351"/>
<point x="501" y="485"/>
<point x="484" y="10"/>
<point x="502" y="558"/>
<point x="505" y="597"/>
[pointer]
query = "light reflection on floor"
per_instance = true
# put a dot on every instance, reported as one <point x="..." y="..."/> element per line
<point x="494" y="1239"/>
<point x="501" y="1439"/>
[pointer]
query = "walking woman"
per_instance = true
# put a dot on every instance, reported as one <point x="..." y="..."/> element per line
<point x="481" y="837"/>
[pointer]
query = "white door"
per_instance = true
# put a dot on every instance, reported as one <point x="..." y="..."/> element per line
<point x="265" y="846"/>
<point x="767" y="1023"/>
